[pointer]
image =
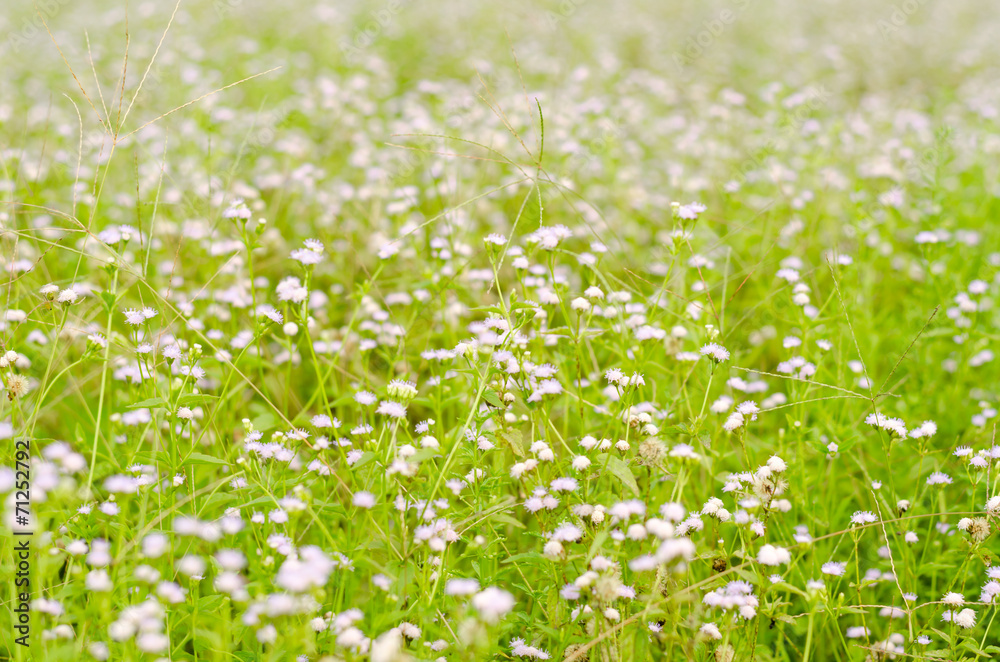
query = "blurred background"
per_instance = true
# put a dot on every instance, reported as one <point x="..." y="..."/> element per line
<point x="643" y="102"/>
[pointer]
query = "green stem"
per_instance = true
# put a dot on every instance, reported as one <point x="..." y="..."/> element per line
<point x="104" y="377"/>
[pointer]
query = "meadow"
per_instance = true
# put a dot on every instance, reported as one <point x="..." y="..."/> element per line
<point x="402" y="331"/>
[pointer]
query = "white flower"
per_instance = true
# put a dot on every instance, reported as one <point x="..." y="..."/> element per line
<point x="155" y="545"/>
<point x="553" y="549"/>
<point x="311" y="254"/>
<point x="771" y="555"/>
<point x="711" y="631"/>
<point x="266" y="635"/>
<point x="939" y="478"/>
<point x="863" y="517"/>
<point x="363" y="499"/>
<point x="689" y="211"/>
<point x="68" y="295"/>
<point x="716" y="352"/>
<point x="98" y="581"/>
<point x="549" y="238"/>
<point x="675" y="548"/>
<point x="835" y="568"/>
<point x="152" y="642"/>
<point x="237" y="209"/>
<point x="461" y="586"/>
<point x="492" y="603"/>
<point x="893" y="426"/>
<point x="636" y="532"/>
<point x="519" y="649"/>
<point x="734" y="422"/>
<point x="567" y="533"/>
<point x="953" y="599"/>
<point x="311" y="568"/>
<point x="391" y="409"/>
<point x="964" y="619"/>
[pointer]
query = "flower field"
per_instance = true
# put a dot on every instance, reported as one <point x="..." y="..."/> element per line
<point x="402" y="331"/>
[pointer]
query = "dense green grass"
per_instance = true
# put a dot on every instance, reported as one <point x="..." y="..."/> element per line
<point x="416" y="332"/>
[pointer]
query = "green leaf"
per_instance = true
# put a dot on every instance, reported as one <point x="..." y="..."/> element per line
<point x="319" y="505"/>
<point x="259" y="500"/>
<point x="366" y="457"/>
<point x="149" y="457"/>
<point x="513" y="437"/>
<point x="507" y="519"/>
<point x="619" y="470"/>
<point x="487" y="309"/>
<point x="146" y="404"/>
<point x="195" y="399"/>
<point x="595" y="546"/>
<point x="211" y="602"/>
<point x="265" y="422"/>
<point x="973" y="648"/>
<point x="206" y="640"/>
<point x="794" y="589"/>
<point x="201" y="458"/>
<point x="424" y="454"/>
<point x="109" y="300"/>
<point x="525" y="557"/>
<point x="218" y="500"/>
<point x="492" y="399"/>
